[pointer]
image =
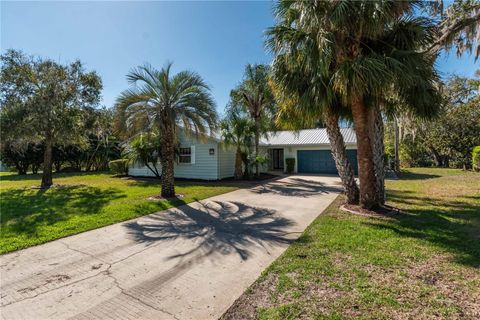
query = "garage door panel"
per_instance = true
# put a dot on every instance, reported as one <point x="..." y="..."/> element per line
<point x="321" y="161"/>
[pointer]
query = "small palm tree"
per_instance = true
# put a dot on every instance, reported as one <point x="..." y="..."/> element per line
<point x="237" y="131"/>
<point x="145" y="149"/>
<point x="254" y="96"/>
<point x="168" y="103"/>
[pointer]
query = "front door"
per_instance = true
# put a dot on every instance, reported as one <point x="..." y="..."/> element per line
<point x="277" y="158"/>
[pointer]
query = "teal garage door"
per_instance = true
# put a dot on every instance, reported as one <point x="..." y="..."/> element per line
<point x="321" y="161"/>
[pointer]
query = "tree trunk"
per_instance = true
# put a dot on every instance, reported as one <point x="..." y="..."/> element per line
<point x="378" y="149"/>
<point x="238" y="164"/>
<point x="396" y="145"/>
<point x="366" y="168"/>
<point x="47" y="165"/>
<point x="437" y="157"/>
<point x="446" y="161"/>
<point x="339" y="153"/>
<point x="246" y="166"/>
<point x="167" y="162"/>
<point x="21" y="167"/>
<point x="257" y="142"/>
<point x="153" y="169"/>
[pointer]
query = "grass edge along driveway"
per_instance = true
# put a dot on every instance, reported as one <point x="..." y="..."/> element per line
<point x="84" y="201"/>
<point x="421" y="264"/>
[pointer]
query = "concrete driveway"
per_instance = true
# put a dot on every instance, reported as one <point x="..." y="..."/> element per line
<point x="191" y="262"/>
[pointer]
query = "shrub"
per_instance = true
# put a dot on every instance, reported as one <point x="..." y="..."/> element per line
<point x="119" y="166"/>
<point x="261" y="160"/>
<point x="290" y="164"/>
<point x="476" y="158"/>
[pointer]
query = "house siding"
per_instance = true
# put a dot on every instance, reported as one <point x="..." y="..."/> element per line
<point x="226" y="161"/>
<point x="205" y="166"/>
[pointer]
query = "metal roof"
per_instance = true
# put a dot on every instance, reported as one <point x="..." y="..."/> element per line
<point x="305" y="137"/>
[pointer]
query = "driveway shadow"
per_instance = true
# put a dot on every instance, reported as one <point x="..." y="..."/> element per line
<point x="296" y="187"/>
<point x="217" y="228"/>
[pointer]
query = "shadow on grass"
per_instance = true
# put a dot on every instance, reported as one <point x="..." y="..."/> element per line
<point x="453" y="225"/>
<point x="38" y="176"/>
<point x="416" y="176"/>
<point x="216" y="228"/>
<point x="24" y="210"/>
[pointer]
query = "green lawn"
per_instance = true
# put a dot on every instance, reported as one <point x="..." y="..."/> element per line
<point x="85" y="201"/>
<point x="421" y="264"/>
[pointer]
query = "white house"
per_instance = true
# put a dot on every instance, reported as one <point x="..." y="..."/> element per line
<point x="205" y="158"/>
<point x="209" y="158"/>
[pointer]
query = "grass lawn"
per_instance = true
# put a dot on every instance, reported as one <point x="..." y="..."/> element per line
<point x="421" y="264"/>
<point x="85" y="201"/>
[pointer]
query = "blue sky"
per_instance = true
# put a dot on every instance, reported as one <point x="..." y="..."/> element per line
<point x="215" y="39"/>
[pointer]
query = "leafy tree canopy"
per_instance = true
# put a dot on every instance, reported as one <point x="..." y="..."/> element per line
<point x="44" y="101"/>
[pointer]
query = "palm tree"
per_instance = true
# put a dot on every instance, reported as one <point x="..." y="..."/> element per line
<point x="358" y="52"/>
<point x="169" y="103"/>
<point x="306" y="112"/>
<point x="254" y="96"/>
<point x="237" y="131"/>
<point x="145" y="149"/>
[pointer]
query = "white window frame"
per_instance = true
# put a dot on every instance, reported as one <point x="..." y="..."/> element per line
<point x="191" y="155"/>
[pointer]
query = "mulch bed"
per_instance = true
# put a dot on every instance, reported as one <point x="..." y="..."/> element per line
<point x="383" y="211"/>
<point x="158" y="197"/>
<point x="58" y="186"/>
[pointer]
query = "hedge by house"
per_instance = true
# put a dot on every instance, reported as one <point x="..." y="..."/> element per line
<point x="290" y="164"/>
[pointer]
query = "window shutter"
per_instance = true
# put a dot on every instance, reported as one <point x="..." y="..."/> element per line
<point x="192" y="157"/>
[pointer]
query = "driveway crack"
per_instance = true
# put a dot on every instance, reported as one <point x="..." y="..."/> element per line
<point x="83" y="252"/>
<point x="107" y="272"/>
<point x="125" y="292"/>
<point x="135" y="253"/>
<point x="53" y="289"/>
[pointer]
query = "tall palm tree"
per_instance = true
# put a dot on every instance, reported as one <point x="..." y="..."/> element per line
<point x="254" y="96"/>
<point x="169" y="103"/>
<point x="359" y="51"/>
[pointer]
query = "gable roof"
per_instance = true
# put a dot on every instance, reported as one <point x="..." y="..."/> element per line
<point x="305" y="137"/>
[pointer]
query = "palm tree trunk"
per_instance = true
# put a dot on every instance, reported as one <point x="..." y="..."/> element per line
<point x="257" y="142"/>
<point x="47" y="165"/>
<point x="396" y="145"/>
<point x="339" y="153"/>
<point x="246" y="166"/>
<point x="238" y="165"/>
<point x="167" y="154"/>
<point x="378" y="149"/>
<point x="366" y="168"/>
